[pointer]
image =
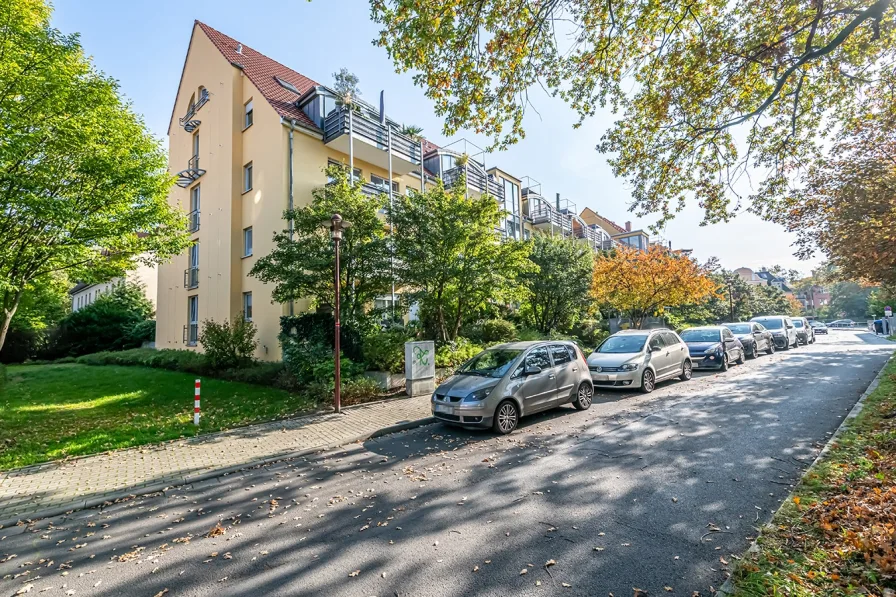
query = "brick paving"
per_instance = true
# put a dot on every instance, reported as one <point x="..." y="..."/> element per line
<point x="53" y="488"/>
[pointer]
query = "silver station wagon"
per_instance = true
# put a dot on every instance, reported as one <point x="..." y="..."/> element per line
<point x="639" y="359"/>
<point x="508" y="381"/>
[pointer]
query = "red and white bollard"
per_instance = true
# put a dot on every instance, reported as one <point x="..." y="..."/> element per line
<point x="196" y="405"/>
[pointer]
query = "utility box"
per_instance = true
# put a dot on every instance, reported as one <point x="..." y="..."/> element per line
<point x="420" y="367"/>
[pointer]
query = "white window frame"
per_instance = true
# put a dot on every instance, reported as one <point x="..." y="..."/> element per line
<point x="192" y="319"/>
<point x="247" y="241"/>
<point x="247" y="177"/>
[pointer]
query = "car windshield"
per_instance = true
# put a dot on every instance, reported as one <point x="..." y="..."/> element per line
<point x="740" y="328"/>
<point x="490" y="363"/>
<point x="797" y="323"/>
<point x="772" y="324"/>
<point x="623" y="344"/>
<point x="701" y="335"/>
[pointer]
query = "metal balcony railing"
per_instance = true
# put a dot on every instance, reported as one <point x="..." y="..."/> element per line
<point x="476" y="181"/>
<point x="371" y="130"/>
<point x="193" y="221"/>
<point x="595" y="237"/>
<point x="543" y="214"/>
<point x="186" y="177"/>
<point x="191" y="277"/>
<point x="187" y="121"/>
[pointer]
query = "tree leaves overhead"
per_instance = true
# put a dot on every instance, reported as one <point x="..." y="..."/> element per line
<point x="705" y="88"/>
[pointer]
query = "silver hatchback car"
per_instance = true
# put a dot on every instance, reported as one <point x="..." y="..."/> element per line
<point x="508" y="381"/>
<point x="639" y="359"/>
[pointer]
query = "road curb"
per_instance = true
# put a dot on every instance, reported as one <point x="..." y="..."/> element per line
<point x="727" y="588"/>
<point x="178" y="481"/>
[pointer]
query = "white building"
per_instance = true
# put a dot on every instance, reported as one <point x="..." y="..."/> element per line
<point x="84" y="294"/>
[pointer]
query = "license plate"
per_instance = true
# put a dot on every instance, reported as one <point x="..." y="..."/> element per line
<point x="443" y="409"/>
<point x="600" y="377"/>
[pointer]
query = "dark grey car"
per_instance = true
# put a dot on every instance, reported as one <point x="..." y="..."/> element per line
<point x="508" y="381"/>
<point x="753" y="336"/>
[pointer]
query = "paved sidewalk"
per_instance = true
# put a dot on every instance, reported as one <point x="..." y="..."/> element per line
<point x="51" y="489"/>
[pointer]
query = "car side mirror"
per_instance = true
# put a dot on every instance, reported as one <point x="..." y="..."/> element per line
<point x="532" y="370"/>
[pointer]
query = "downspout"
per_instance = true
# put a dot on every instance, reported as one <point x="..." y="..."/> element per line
<point x="290" y="199"/>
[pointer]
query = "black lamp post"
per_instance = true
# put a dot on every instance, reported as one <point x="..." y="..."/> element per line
<point x="337" y="226"/>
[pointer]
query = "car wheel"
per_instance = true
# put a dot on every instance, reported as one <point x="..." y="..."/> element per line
<point x="786" y="344"/>
<point x="507" y="415"/>
<point x="754" y="354"/>
<point x="584" y="395"/>
<point x="687" y="371"/>
<point x="740" y="360"/>
<point x="724" y="366"/>
<point x="648" y="381"/>
<point x="771" y="347"/>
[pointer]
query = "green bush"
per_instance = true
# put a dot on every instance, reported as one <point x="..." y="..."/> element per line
<point x="453" y="354"/>
<point x="144" y="331"/>
<point x="497" y="330"/>
<point x="590" y="332"/>
<point x="312" y="362"/>
<point x="359" y="391"/>
<point x="320" y="328"/>
<point x="228" y="345"/>
<point x="385" y="351"/>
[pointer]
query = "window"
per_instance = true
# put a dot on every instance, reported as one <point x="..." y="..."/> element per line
<point x="726" y="334"/>
<point x="196" y="145"/>
<point x="247" y="241"/>
<point x="194" y="209"/>
<point x="379" y="181"/>
<point x="191" y="276"/>
<point x="656" y="342"/>
<point x="560" y="354"/>
<point x="192" y="335"/>
<point x="247" y="118"/>
<point x="247" y="177"/>
<point x="247" y="306"/>
<point x="538" y="357"/>
<point x="670" y="339"/>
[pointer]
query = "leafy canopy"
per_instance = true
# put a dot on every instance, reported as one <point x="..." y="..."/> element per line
<point x="704" y="89"/>
<point x="450" y="256"/>
<point x="558" y="290"/>
<point x="302" y="263"/>
<point x="640" y="284"/>
<point x="83" y="185"/>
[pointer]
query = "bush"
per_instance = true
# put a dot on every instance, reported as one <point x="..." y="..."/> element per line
<point x="228" y="345"/>
<point x="385" y="351"/>
<point x="359" y="391"/>
<point x="320" y="328"/>
<point x="497" y="330"/>
<point x="22" y="343"/>
<point x="590" y="332"/>
<point x="453" y="354"/>
<point x="312" y="362"/>
<point x="142" y="332"/>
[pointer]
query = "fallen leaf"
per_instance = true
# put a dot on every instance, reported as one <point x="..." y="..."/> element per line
<point x="523" y="571"/>
<point x="796" y="500"/>
<point x="565" y="584"/>
<point x="475" y="568"/>
<point x="216" y="531"/>
<point x="25" y="589"/>
<point x="723" y="560"/>
<point x="161" y="593"/>
<point x="354" y="573"/>
<point x="669" y="589"/>
<point x="549" y="563"/>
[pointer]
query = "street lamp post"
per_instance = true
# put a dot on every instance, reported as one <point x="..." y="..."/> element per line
<point x="337" y="226"/>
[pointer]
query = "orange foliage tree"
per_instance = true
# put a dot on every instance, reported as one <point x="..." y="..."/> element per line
<point x="643" y="283"/>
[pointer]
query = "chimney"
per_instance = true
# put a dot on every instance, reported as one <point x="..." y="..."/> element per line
<point x="628" y="226"/>
<point x="558" y="201"/>
<point x="670" y="245"/>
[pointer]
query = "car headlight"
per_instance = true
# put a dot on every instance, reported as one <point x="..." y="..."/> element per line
<point x="630" y="367"/>
<point x="714" y="349"/>
<point x="478" y="395"/>
<point x="595" y="368"/>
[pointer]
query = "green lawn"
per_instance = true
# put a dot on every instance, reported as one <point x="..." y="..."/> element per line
<point x="48" y="412"/>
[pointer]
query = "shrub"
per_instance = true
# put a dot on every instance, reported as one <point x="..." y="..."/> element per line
<point x="453" y="354"/>
<point x="385" y="351"/>
<point x="590" y="332"/>
<point x="142" y="332"/>
<point x="497" y="330"/>
<point x="359" y="391"/>
<point x="228" y="345"/>
<point x="312" y="362"/>
<point x="22" y="343"/>
<point x="320" y="328"/>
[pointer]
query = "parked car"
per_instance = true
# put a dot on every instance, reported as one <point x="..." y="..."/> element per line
<point x="819" y="327"/>
<point x="753" y="336"/>
<point x="639" y="359"/>
<point x="713" y="347"/>
<point x="508" y="381"/>
<point x="842" y="323"/>
<point x="804" y="332"/>
<point x="782" y="329"/>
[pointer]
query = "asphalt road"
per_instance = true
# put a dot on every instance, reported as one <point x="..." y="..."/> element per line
<point x="658" y="492"/>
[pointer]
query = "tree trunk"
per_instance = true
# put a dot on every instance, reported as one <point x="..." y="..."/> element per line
<point x="7" y="311"/>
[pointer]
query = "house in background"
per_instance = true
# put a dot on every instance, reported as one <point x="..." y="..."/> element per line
<point x="764" y="278"/>
<point x="814" y="297"/>
<point x="146" y="276"/>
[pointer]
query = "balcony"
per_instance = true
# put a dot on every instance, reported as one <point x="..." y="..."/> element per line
<point x="193" y="221"/>
<point x="191" y="278"/>
<point x="188" y="122"/>
<point x="476" y="181"/>
<point x="371" y="140"/>
<point x="589" y="234"/>
<point x="187" y="177"/>
<point x="545" y="216"/>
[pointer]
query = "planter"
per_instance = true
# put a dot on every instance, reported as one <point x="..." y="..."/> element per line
<point x="386" y="380"/>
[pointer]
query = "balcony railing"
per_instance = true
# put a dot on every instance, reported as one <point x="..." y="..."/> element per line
<point x="191" y="277"/>
<point x="187" y="121"/>
<point x="593" y="236"/>
<point x="476" y="181"/>
<point x="193" y="221"/>
<point x="543" y="214"/>
<point x="372" y="130"/>
<point x="186" y="177"/>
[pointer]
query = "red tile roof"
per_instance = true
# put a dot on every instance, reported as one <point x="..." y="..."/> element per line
<point x="261" y="70"/>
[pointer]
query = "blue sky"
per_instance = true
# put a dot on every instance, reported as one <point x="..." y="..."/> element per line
<point x="143" y="44"/>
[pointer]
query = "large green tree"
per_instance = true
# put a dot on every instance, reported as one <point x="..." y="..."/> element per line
<point x="451" y="258"/>
<point x="850" y="299"/>
<point x="83" y="185"/>
<point x="43" y="305"/>
<point x="558" y="290"/>
<point x="706" y="89"/>
<point x="302" y="263"/>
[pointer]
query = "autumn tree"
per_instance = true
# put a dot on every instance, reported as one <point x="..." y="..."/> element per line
<point x="83" y="184"/>
<point x="450" y="256"/>
<point x="558" y="286"/>
<point x="705" y="89"/>
<point x="640" y="284"/>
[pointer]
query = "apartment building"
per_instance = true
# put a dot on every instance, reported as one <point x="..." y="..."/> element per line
<point x="85" y="293"/>
<point x="250" y="137"/>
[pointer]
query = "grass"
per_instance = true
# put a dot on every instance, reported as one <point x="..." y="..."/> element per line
<point x="50" y="412"/>
<point x="836" y="535"/>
